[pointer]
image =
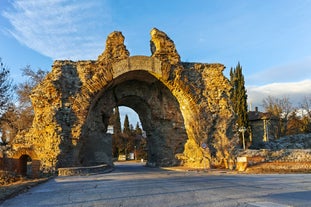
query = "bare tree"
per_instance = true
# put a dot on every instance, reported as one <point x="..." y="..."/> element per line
<point x="279" y="109"/>
<point x="18" y="118"/>
<point x="24" y="89"/>
<point x="306" y="113"/>
<point x="9" y="127"/>
<point x="296" y="123"/>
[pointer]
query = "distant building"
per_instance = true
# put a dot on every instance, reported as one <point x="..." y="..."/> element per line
<point x="259" y="123"/>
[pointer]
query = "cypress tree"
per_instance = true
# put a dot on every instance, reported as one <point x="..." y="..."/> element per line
<point x="126" y="126"/>
<point x="116" y="121"/>
<point x="5" y="88"/>
<point x="138" y="130"/>
<point x="239" y="95"/>
<point x="117" y="142"/>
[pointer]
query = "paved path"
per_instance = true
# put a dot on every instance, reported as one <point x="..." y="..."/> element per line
<point x="135" y="185"/>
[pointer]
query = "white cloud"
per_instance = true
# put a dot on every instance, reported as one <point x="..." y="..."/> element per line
<point x="293" y="71"/>
<point x="296" y="91"/>
<point x="292" y="80"/>
<point x="60" y="29"/>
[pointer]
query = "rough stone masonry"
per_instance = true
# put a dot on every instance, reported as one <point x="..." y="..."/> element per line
<point x="183" y="107"/>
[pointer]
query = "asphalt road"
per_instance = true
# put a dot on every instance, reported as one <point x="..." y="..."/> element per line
<point x="136" y="185"/>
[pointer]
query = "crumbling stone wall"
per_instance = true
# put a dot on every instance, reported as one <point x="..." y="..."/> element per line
<point x="181" y="106"/>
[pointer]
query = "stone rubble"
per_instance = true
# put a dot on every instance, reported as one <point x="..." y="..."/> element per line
<point x="298" y="141"/>
<point x="287" y="154"/>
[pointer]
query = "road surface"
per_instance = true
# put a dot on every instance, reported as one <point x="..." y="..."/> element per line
<point x="132" y="184"/>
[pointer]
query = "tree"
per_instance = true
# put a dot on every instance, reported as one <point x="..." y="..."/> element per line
<point x="295" y="124"/>
<point x="239" y="96"/>
<point x="24" y="89"/>
<point x="18" y="118"/>
<point x="129" y="140"/>
<point x="126" y="126"/>
<point x="138" y="130"/>
<point x="117" y="133"/>
<point x="279" y="109"/>
<point x="306" y="114"/>
<point x="122" y="142"/>
<point x="10" y="124"/>
<point x="5" y="87"/>
<point x="141" y="143"/>
<point x="115" y="121"/>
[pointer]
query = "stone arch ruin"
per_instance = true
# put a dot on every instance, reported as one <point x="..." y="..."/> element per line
<point x="181" y="106"/>
<point x="137" y="87"/>
<point x="22" y="160"/>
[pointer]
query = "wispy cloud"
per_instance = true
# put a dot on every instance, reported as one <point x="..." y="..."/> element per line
<point x="295" y="91"/>
<point x="60" y="29"/>
<point x="292" y="80"/>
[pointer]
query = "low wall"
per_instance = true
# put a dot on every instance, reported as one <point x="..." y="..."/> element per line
<point x="71" y="171"/>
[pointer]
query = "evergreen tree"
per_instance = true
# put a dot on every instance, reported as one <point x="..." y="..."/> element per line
<point x="117" y="140"/>
<point x="5" y="87"/>
<point x="130" y="140"/>
<point x="116" y="121"/>
<point x="239" y="96"/>
<point x="138" y="130"/>
<point x="126" y="126"/>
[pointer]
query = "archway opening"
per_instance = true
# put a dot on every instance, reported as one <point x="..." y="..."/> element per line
<point x="25" y="165"/>
<point x="158" y="111"/>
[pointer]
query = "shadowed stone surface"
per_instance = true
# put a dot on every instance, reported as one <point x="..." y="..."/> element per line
<point x="181" y="105"/>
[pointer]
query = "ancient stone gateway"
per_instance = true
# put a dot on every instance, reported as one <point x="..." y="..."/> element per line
<point x="181" y="106"/>
<point x="23" y="161"/>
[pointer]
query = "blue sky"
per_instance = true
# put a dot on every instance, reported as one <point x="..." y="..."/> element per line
<point x="270" y="38"/>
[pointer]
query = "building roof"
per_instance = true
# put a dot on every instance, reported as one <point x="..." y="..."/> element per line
<point x="257" y="115"/>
